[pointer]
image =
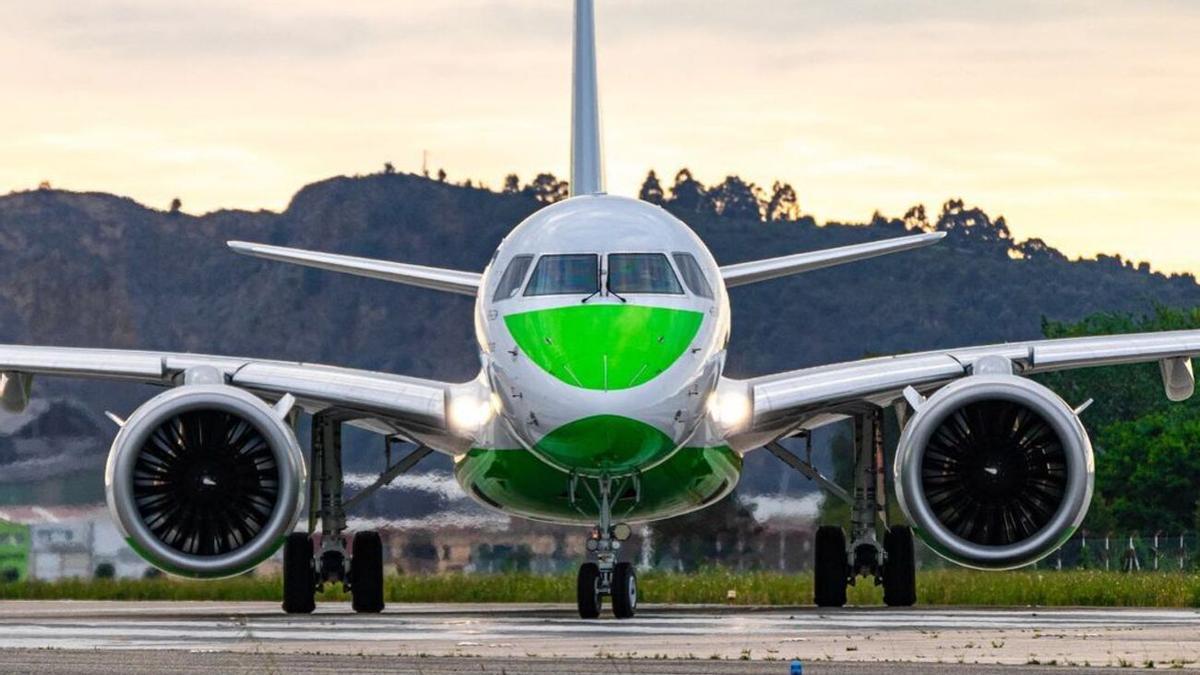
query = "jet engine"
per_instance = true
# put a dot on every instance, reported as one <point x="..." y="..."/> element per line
<point x="205" y="480"/>
<point x="994" y="471"/>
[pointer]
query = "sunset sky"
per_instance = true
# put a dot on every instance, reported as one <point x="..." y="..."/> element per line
<point x="1078" y="121"/>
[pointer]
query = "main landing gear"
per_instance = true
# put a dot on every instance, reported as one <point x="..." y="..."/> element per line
<point x="606" y="577"/>
<point x="361" y="573"/>
<point x="838" y="563"/>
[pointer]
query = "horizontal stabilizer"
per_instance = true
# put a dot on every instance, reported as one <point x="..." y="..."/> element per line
<point x="437" y="278"/>
<point x="773" y="268"/>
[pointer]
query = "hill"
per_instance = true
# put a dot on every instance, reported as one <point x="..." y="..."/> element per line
<point x="93" y="269"/>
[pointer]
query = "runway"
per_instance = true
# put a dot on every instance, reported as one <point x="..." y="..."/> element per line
<point x="125" y="636"/>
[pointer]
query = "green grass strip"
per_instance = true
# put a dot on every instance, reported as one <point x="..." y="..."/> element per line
<point x="941" y="587"/>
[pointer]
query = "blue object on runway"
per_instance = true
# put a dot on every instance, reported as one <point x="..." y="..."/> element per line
<point x="797" y="668"/>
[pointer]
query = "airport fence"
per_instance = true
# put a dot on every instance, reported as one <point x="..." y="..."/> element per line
<point x="1113" y="552"/>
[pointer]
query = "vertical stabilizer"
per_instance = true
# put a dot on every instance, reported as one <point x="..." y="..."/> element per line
<point x="587" y="162"/>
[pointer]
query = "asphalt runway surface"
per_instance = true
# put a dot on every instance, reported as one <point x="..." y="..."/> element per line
<point x="184" y="637"/>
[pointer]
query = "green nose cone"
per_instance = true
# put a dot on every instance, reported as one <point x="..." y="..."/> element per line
<point x="605" y="347"/>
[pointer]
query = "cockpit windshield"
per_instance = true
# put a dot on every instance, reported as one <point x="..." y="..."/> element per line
<point x="510" y="283"/>
<point x="642" y="273"/>
<point x="693" y="276"/>
<point x="565" y="275"/>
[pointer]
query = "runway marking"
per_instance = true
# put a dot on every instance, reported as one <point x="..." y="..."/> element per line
<point x="949" y="635"/>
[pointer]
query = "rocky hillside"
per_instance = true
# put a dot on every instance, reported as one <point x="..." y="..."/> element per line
<point x="99" y="270"/>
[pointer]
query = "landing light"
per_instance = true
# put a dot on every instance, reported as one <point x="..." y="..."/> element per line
<point x="729" y="409"/>
<point x="468" y="413"/>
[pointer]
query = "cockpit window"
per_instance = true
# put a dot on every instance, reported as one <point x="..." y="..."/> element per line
<point x="642" y="273"/>
<point x="693" y="276"/>
<point x="565" y="275"/>
<point x="510" y="283"/>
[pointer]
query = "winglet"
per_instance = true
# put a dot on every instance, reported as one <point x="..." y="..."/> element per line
<point x="436" y="278"/>
<point x="772" y="268"/>
<point x="587" y="160"/>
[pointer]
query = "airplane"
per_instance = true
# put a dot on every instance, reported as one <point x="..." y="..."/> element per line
<point x="603" y="325"/>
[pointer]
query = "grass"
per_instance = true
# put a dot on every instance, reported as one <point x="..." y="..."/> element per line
<point x="938" y="587"/>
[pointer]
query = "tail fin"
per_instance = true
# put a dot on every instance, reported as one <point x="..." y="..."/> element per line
<point x="587" y="161"/>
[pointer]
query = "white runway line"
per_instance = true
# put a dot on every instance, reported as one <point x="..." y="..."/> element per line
<point x="1098" y="637"/>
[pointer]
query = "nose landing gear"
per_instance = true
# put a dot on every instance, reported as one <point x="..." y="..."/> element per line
<point x="606" y="576"/>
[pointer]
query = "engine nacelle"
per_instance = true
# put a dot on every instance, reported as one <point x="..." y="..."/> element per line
<point x="994" y="471"/>
<point x="206" y="480"/>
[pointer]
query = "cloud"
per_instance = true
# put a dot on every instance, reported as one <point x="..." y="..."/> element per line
<point x="163" y="30"/>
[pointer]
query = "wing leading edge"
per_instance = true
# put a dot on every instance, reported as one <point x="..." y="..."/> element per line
<point x="773" y="268"/>
<point x="386" y="403"/>
<point x="436" y="278"/>
<point x="785" y="402"/>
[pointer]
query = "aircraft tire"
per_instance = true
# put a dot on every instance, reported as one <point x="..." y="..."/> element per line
<point x="900" y="568"/>
<point x="366" y="573"/>
<point x="587" y="591"/>
<point x="299" y="575"/>
<point x="624" y="591"/>
<point x="830" y="567"/>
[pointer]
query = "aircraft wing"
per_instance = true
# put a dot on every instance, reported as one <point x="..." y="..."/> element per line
<point x="772" y="268"/>
<point x="785" y="403"/>
<point x="436" y="278"/>
<point x="389" y="404"/>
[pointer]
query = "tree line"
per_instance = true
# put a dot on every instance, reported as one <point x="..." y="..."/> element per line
<point x="737" y="199"/>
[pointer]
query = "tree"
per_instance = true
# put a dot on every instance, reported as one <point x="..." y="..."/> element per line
<point x="176" y="205"/>
<point x="972" y="225"/>
<point x="783" y="205"/>
<point x="512" y="184"/>
<point x="688" y="194"/>
<point x="736" y="199"/>
<point x="441" y="175"/>
<point x="651" y="189"/>
<point x="1036" y="249"/>
<point x="916" y="220"/>
<point x="1150" y="469"/>
<point x="388" y="169"/>
<point x="548" y="189"/>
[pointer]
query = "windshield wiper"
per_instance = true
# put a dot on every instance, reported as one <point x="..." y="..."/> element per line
<point x="613" y="293"/>
<point x="599" y="275"/>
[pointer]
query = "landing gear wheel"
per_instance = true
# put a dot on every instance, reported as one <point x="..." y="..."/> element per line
<point x="624" y="591"/>
<point x="587" y="591"/>
<point x="900" y="568"/>
<point x="299" y="575"/>
<point x="366" y="573"/>
<point x="830" y="568"/>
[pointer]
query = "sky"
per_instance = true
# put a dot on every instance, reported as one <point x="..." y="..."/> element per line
<point x="1077" y="121"/>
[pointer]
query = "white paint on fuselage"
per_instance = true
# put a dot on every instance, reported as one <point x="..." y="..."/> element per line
<point x="531" y="401"/>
